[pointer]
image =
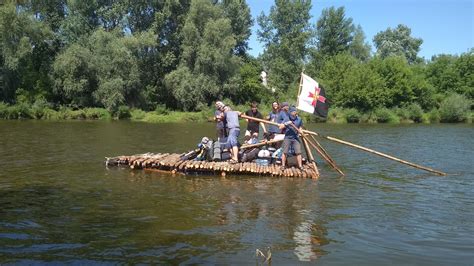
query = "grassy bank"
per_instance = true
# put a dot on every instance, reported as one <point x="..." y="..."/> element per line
<point x="410" y="114"/>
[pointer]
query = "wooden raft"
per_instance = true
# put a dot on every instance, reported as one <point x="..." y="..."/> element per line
<point x="171" y="162"/>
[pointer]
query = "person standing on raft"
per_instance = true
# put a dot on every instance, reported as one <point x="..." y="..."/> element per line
<point x="292" y="139"/>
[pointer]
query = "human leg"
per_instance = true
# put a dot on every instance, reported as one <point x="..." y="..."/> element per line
<point x="297" y="148"/>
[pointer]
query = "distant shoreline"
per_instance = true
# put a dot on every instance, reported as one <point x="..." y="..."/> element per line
<point x="336" y="115"/>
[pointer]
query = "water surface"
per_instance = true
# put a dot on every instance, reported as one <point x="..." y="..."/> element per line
<point x="59" y="203"/>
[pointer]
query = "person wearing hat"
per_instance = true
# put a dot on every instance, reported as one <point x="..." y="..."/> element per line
<point x="221" y="131"/>
<point x="292" y="139"/>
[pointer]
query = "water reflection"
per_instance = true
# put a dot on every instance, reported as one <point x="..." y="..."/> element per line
<point x="58" y="203"/>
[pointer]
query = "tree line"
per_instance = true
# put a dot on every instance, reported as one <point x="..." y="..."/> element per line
<point x="185" y="54"/>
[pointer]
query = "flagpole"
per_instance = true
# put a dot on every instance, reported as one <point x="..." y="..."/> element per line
<point x="299" y="89"/>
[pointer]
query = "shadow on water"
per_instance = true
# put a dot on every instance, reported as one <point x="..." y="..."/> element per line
<point x="60" y="204"/>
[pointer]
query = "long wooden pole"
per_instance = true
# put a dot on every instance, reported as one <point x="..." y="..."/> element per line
<point x="310" y="156"/>
<point x="324" y="155"/>
<point x="248" y="146"/>
<point x="359" y="147"/>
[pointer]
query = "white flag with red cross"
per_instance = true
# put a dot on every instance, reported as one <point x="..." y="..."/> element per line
<point x="311" y="95"/>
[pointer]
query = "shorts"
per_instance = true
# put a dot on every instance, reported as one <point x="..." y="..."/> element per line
<point x="287" y="143"/>
<point x="232" y="139"/>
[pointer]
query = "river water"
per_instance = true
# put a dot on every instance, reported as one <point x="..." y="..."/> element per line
<point x="60" y="204"/>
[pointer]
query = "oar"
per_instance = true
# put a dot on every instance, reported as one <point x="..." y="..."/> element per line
<point x="358" y="147"/>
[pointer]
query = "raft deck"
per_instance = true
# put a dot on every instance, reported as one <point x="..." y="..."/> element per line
<point x="172" y="163"/>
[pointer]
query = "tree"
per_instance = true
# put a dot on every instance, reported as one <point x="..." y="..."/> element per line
<point x="101" y="71"/>
<point x="285" y="33"/>
<point x="397" y="42"/>
<point x="241" y="21"/>
<point x="207" y="62"/>
<point x="23" y="42"/>
<point x="335" y="32"/>
<point x="358" y="47"/>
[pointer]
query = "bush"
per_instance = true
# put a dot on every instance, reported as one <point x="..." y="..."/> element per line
<point x="402" y="113"/>
<point x="352" y="115"/>
<point x="161" y="109"/>
<point x="455" y="108"/>
<point x="50" y="114"/>
<point x="384" y="115"/>
<point x="3" y="110"/>
<point x="415" y="112"/>
<point x="123" y="112"/>
<point x="434" y="116"/>
<point x="137" y="114"/>
<point x="97" y="113"/>
<point x="336" y="115"/>
<point x="18" y="111"/>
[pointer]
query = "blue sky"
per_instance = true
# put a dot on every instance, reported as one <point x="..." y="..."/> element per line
<point x="446" y="26"/>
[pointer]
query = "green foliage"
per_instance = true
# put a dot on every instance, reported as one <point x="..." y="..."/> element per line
<point x="415" y="112"/>
<point x="358" y="47"/>
<point x="97" y="113"/>
<point x="397" y="42"/>
<point x="207" y="63"/>
<point x="336" y="115"/>
<point x="455" y="108"/>
<point x="434" y="116"/>
<point x="285" y="32"/>
<point x="161" y="109"/>
<point x="449" y="73"/>
<point x="163" y="56"/>
<point x="123" y="112"/>
<point x="352" y="115"/>
<point x="384" y="115"/>
<point x="3" y="110"/>
<point x="137" y="114"/>
<point x="241" y="22"/>
<point x="334" y="32"/>
<point x="249" y="86"/>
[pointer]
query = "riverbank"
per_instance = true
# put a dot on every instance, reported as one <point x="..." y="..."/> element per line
<point x="410" y="114"/>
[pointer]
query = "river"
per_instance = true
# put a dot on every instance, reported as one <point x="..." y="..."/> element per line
<point x="60" y="204"/>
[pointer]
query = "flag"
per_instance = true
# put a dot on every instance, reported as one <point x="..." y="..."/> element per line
<point x="312" y="98"/>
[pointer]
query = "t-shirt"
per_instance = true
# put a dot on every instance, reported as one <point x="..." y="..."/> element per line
<point x="282" y="117"/>
<point x="272" y="128"/>
<point x="232" y="119"/>
<point x="291" y="132"/>
<point x="253" y="126"/>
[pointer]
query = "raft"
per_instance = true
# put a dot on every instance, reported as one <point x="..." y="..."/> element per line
<point x="173" y="163"/>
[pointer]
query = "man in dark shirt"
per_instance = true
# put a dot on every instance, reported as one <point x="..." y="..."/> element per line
<point x="292" y="138"/>
<point x="252" y="126"/>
